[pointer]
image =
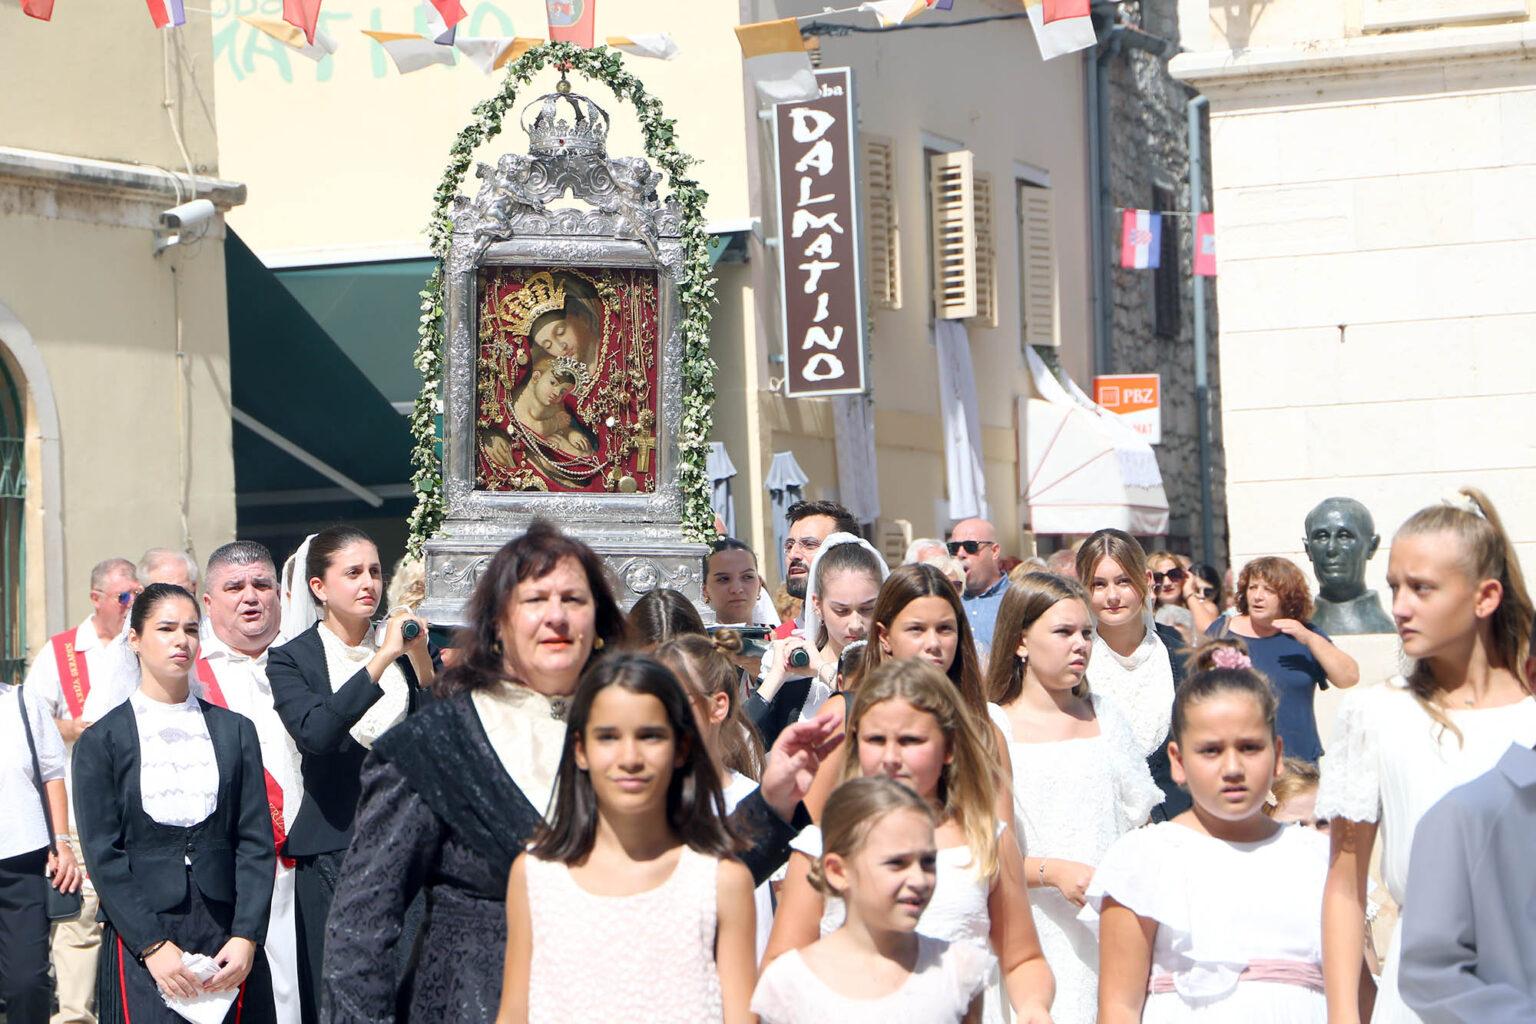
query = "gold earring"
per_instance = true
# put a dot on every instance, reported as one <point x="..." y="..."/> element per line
<point x="597" y="644"/>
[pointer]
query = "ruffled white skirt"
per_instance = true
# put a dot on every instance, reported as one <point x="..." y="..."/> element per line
<point x="1251" y="1002"/>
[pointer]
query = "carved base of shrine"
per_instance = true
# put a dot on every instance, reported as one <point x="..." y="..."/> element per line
<point x="635" y="567"/>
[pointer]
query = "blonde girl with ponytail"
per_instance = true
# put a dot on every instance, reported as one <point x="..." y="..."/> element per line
<point x="1464" y="617"/>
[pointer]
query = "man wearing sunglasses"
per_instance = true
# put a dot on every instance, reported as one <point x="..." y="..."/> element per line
<point x="974" y="542"/>
<point x="78" y="676"/>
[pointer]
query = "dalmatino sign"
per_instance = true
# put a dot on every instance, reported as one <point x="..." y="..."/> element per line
<point x="820" y="278"/>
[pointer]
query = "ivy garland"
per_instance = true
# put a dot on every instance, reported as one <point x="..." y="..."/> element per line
<point x="696" y="292"/>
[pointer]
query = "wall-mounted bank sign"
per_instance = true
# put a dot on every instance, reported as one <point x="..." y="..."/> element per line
<point x="1137" y="398"/>
<point x="820" y="278"/>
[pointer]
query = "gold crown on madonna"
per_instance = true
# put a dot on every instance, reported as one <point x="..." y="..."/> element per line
<point x="539" y="295"/>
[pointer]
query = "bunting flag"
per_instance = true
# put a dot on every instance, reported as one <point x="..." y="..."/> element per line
<point x="1205" y="245"/>
<point x="659" y="45"/>
<point x="893" y="12"/>
<point x="775" y="58"/>
<point x="42" y="10"/>
<point x="1058" y="32"/>
<point x="1141" y="239"/>
<point x="452" y="12"/>
<point x="944" y="5"/>
<point x="571" y="21"/>
<point x="166" y="13"/>
<point x="303" y="15"/>
<point x="439" y="29"/>
<point x="1060" y="10"/>
<point x="411" y="52"/>
<point x="492" y="53"/>
<point x="291" y="37"/>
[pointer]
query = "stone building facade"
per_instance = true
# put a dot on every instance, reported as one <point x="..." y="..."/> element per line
<point x="1152" y="315"/>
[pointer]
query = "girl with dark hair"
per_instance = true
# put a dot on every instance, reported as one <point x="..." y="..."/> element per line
<point x="1080" y="779"/>
<point x="452" y="796"/>
<point x="733" y="586"/>
<point x="635" y="852"/>
<point x="1464" y="616"/>
<point x="1213" y="916"/>
<point x="338" y="687"/>
<point x="662" y="615"/>
<point x="171" y="804"/>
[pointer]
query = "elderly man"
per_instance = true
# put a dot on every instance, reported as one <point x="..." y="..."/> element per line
<point x="241" y="604"/>
<point x="922" y="549"/>
<point x="974" y="542"/>
<point x="1341" y="538"/>
<point x="78" y="677"/>
<point x="168" y="565"/>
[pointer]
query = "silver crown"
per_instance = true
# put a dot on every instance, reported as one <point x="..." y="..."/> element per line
<point x="585" y="133"/>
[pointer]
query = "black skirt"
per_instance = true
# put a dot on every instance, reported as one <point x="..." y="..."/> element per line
<point x="127" y="994"/>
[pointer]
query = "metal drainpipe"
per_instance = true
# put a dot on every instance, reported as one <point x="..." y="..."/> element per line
<point x="1202" y="382"/>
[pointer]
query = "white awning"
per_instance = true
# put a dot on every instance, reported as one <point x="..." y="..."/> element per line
<point x="1085" y="469"/>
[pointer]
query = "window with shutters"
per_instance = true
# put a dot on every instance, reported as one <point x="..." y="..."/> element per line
<point x="986" y="255"/>
<point x="1167" y="278"/>
<point x="952" y="209"/>
<point x="1037" y="265"/>
<point x="884" y="243"/>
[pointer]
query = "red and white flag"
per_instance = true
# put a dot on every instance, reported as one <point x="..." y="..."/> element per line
<point x="42" y="10"/>
<point x="1061" y="26"/>
<point x="571" y="21"/>
<point x="1060" y="10"/>
<point x="1141" y="240"/>
<point x="167" y="13"/>
<point x="1205" y="245"/>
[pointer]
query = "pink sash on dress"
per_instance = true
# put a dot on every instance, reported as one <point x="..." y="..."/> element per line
<point x="1284" y="972"/>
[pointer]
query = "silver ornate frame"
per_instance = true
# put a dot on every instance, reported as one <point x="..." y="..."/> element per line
<point x="619" y="223"/>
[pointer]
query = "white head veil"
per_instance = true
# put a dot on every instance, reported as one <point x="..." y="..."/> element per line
<point x="298" y="607"/>
<point x="811" y="620"/>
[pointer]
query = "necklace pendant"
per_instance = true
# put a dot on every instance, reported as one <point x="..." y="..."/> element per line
<point x="558" y="706"/>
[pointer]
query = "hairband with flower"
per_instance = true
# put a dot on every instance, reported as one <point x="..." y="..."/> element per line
<point x="1230" y="657"/>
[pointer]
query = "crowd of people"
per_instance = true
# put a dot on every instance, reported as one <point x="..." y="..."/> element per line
<point x="963" y="788"/>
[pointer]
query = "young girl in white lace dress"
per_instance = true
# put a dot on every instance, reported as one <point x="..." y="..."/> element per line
<point x="877" y="967"/>
<point x="1464" y="617"/>
<point x="909" y="723"/>
<point x="1080" y="779"/>
<point x="628" y="906"/>
<point x="1213" y="916"/>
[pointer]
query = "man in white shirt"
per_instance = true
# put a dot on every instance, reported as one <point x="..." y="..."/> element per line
<point x="77" y="677"/>
<point x="241" y="602"/>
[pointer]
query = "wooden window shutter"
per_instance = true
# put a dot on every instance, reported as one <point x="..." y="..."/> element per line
<point x="1037" y="265"/>
<point x="884" y="245"/>
<point x="892" y="538"/>
<point x="952" y="197"/>
<point x="986" y="254"/>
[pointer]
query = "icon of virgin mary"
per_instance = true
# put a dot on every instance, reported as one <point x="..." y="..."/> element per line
<point x="570" y="323"/>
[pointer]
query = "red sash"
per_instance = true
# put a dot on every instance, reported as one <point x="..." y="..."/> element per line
<point x="215" y="695"/>
<point x="74" y="676"/>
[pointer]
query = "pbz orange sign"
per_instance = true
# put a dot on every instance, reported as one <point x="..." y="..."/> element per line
<point x="1137" y="398"/>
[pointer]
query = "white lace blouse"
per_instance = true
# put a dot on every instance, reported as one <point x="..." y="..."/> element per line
<point x="342" y="662"/>
<point x="178" y="773"/>
<point x="1141" y="685"/>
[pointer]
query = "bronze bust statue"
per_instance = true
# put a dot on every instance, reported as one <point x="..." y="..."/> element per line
<point x="1341" y="538"/>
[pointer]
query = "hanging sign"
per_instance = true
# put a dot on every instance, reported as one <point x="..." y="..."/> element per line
<point x="1137" y="398"/>
<point x="820" y="279"/>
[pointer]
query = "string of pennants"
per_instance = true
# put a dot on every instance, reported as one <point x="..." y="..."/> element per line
<point x="1141" y="240"/>
<point x="571" y="21"/>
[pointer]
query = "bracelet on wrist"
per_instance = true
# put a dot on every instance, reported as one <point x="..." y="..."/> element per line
<point x="152" y="949"/>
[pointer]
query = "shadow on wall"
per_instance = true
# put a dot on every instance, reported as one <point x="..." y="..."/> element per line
<point x="1236" y="19"/>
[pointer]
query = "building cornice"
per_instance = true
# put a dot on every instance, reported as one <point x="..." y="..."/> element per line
<point x="1216" y="71"/>
<point x="135" y="181"/>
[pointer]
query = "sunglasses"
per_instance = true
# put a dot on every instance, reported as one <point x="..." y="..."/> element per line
<point x="126" y="597"/>
<point x="970" y="547"/>
<point x="1172" y="576"/>
<point x="1208" y="593"/>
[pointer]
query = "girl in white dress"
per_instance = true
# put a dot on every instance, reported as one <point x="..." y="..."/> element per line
<point x="1080" y="779"/>
<point x="877" y="967"/>
<point x="909" y="724"/>
<point x="636" y="860"/>
<point x="1213" y="916"/>
<point x="1464" y="617"/>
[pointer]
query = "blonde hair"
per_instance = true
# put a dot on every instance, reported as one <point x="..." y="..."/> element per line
<point x="1296" y="777"/>
<point x="1022" y="605"/>
<point x="704" y="665"/>
<point x="1486" y="554"/>
<point x="968" y="787"/>
<point x="853" y="809"/>
<point x="1122" y="549"/>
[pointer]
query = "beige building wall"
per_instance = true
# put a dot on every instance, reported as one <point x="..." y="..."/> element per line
<point x="128" y="444"/>
<point x="1373" y="164"/>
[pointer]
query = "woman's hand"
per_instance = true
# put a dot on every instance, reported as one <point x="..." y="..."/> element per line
<point x="165" y="966"/>
<point x="1069" y="878"/>
<point x="791" y="765"/>
<point x="394" y="643"/>
<point x="1296" y="630"/>
<point x="235" y="961"/>
<point x="63" y="869"/>
<point x="779" y="668"/>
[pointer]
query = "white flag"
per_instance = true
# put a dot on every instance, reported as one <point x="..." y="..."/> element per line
<point x="411" y="52"/>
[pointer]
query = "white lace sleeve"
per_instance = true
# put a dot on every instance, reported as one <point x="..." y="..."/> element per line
<point x="1351" y="786"/>
<point x="1138" y="794"/>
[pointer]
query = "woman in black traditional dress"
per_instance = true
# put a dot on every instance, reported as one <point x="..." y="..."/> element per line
<point x="452" y="795"/>
<point x="171" y="804"/>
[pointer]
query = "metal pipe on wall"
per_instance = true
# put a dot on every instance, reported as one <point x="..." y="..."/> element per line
<point x="1202" y="381"/>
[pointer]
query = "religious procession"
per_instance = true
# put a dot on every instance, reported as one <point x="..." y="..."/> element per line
<point x="767" y="511"/>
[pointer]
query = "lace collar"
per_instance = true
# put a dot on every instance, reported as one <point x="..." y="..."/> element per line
<point x="1138" y="657"/>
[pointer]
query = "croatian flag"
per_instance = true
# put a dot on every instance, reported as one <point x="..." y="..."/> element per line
<point x="167" y="13"/>
<point x="1141" y="239"/>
